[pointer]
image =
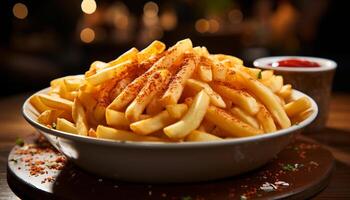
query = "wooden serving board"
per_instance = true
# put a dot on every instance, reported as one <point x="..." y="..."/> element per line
<point x="37" y="171"/>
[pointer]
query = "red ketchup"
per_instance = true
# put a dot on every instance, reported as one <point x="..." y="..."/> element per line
<point x="295" y="63"/>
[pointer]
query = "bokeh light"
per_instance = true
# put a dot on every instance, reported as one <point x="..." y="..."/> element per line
<point x="168" y="20"/>
<point x="202" y="25"/>
<point x="88" y="6"/>
<point x="150" y="9"/>
<point x="87" y="35"/>
<point x="235" y="16"/>
<point x="214" y="26"/>
<point x="20" y="10"/>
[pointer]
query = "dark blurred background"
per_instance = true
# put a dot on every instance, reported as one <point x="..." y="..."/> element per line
<point x="41" y="40"/>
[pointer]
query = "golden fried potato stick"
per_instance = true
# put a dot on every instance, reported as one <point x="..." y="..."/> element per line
<point x="56" y="102"/>
<point x="265" y="119"/>
<point x="155" y="84"/>
<point x="38" y="105"/>
<point x="117" y="119"/>
<point x="215" y="98"/>
<point x="200" y="136"/>
<point x="118" y="71"/>
<point x="206" y="126"/>
<point x="176" y="86"/>
<point x="301" y="116"/>
<point x="238" y="97"/>
<point x="230" y="124"/>
<point x="176" y="110"/>
<point x="245" y="117"/>
<point x="232" y="59"/>
<point x="157" y="122"/>
<point x="191" y="120"/>
<point x="295" y="107"/>
<point x="275" y="83"/>
<point x="218" y="69"/>
<point x="131" y="54"/>
<point x="94" y="67"/>
<point x="66" y="126"/>
<point x="156" y="47"/>
<point x="79" y="118"/>
<point x="266" y="96"/>
<point x="154" y="107"/>
<point x="122" y="135"/>
<point x="285" y="92"/>
<point x="131" y="91"/>
<point x="49" y="117"/>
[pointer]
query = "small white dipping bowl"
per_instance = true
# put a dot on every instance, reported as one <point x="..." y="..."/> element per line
<point x="155" y="162"/>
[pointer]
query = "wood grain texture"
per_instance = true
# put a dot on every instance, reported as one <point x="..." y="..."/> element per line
<point x="336" y="138"/>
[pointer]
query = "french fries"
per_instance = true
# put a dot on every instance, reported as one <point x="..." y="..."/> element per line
<point x="176" y="86"/>
<point x="179" y="94"/>
<point x="56" y="102"/>
<point x="192" y="118"/>
<point x="238" y="97"/>
<point x="122" y="135"/>
<point x="79" y="117"/>
<point x="66" y="126"/>
<point x="200" y="136"/>
<point x="215" y="98"/>
<point x="154" y="85"/>
<point x="297" y="106"/>
<point x="131" y="91"/>
<point x="229" y="123"/>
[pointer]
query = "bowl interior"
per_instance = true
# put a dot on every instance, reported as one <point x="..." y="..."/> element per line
<point x="31" y="115"/>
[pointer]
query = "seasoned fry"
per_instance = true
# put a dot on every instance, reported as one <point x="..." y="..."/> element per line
<point x="229" y="123"/>
<point x="265" y="119"/>
<point x="266" y="96"/>
<point x="131" y="91"/>
<point x="121" y="71"/>
<point x="215" y="98"/>
<point x="192" y="118"/>
<point x="245" y="117"/>
<point x="154" y="85"/>
<point x="238" y="97"/>
<point x="298" y="106"/>
<point x="200" y="136"/>
<point x="176" y="86"/>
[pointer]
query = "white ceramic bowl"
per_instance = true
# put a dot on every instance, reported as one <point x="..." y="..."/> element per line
<point x="154" y="162"/>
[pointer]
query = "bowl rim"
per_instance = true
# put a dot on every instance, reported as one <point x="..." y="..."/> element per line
<point x="325" y="64"/>
<point x="163" y="145"/>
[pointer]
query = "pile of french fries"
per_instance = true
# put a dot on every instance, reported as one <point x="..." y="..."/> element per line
<point x="183" y="93"/>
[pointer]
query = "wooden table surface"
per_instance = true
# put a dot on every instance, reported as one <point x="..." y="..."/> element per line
<point x="336" y="138"/>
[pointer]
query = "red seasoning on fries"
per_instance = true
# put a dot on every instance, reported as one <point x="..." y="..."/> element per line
<point x="182" y="93"/>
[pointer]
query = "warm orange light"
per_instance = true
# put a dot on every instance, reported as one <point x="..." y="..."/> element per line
<point x="202" y="25"/>
<point x="150" y="9"/>
<point x="87" y="35"/>
<point x="235" y="16"/>
<point x="20" y="10"/>
<point x="213" y="26"/>
<point x="88" y="6"/>
<point x="168" y="20"/>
